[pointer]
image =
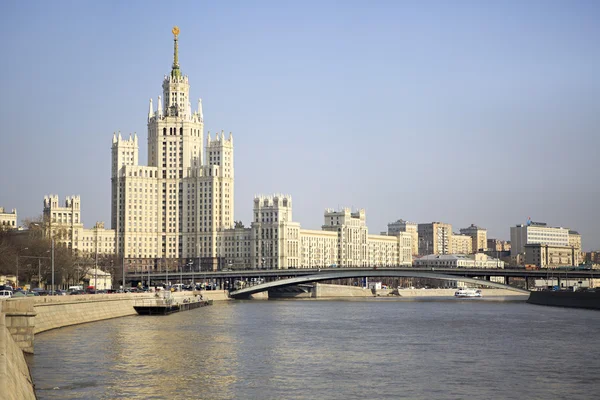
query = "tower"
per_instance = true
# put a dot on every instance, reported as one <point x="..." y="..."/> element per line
<point x="178" y="205"/>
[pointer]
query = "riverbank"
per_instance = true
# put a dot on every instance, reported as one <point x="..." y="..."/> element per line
<point x="23" y="318"/>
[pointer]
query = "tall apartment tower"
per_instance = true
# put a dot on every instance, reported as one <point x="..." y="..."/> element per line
<point x="275" y="237"/>
<point x="178" y="206"/>
<point x="63" y="223"/>
<point x="435" y="238"/>
<point x="478" y="236"/>
<point x="394" y="228"/>
<point x="352" y="231"/>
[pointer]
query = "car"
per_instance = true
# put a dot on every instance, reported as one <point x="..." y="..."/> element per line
<point x="6" y="294"/>
<point x="40" y="291"/>
<point x="59" y="292"/>
<point x="74" y="292"/>
<point x="32" y="294"/>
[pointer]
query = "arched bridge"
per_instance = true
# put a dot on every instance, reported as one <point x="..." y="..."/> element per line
<point x="242" y="293"/>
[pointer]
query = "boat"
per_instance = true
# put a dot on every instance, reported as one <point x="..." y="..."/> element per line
<point x="462" y="292"/>
<point x="165" y="304"/>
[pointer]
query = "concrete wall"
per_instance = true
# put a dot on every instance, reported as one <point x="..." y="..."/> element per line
<point x="323" y="291"/>
<point x="450" y="292"/>
<point x="15" y="380"/>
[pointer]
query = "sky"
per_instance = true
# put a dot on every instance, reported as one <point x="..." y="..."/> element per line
<point x="455" y="111"/>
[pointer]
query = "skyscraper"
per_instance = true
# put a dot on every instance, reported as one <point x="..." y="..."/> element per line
<point x="176" y="208"/>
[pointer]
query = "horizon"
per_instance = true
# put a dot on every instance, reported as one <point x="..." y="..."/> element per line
<point x="441" y="126"/>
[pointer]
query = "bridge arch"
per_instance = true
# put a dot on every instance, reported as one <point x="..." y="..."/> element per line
<point x="245" y="292"/>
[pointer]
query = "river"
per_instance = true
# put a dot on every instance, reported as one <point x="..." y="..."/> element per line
<point x="314" y="349"/>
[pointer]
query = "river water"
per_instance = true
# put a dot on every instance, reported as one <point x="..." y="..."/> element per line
<point x="363" y="349"/>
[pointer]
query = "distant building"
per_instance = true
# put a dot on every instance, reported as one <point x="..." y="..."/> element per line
<point x="64" y="225"/>
<point x="8" y="220"/>
<point x="478" y="260"/>
<point x="352" y="233"/>
<point x="318" y="248"/>
<point x="394" y="228"/>
<point x="536" y="233"/>
<point x="275" y="237"/>
<point x="462" y="244"/>
<point x="275" y="241"/>
<point x="498" y="245"/>
<point x="478" y="236"/>
<point x="592" y="257"/>
<point x="98" y="278"/>
<point x="575" y="243"/>
<point x="435" y="238"/>
<point x="547" y="256"/>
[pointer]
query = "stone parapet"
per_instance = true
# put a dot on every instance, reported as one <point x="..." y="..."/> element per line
<point x="20" y="322"/>
<point x="15" y="380"/>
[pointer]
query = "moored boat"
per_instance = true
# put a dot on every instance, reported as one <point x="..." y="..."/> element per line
<point x="165" y="304"/>
<point x="462" y="292"/>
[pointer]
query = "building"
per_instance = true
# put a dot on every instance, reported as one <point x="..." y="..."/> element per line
<point x="401" y="225"/>
<point x="462" y="244"/>
<point x="275" y="241"/>
<point x="536" y="233"/>
<point x="478" y="236"/>
<point x="318" y="249"/>
<point x="64" y="225"/>
<point x="8" y="220"/>
<point x="352" y="234"/>
<point x="575" y="244"/>
<point x="498" y="245"/>
<point x="435" y="238"/>
<point x="592" y="257"/>
<point x="478" y="260"/>
<point x="179" y="206"/>
<point x="275" y="237"/>
<point x="547" y="256"/>
<point x="100" y="280"/>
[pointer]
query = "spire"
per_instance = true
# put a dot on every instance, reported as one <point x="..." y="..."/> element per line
<point x="200" y="114"/>
<point x="175" y="71"/>
<point x="159" y="111"/>
<point x="150" y="110"/>
<point x="208" y="138"/>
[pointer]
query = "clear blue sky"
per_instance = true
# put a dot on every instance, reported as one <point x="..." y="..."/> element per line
<point x="464" y="112"/>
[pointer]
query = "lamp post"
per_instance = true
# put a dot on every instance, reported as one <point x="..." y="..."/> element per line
<point x="52" y="289"/>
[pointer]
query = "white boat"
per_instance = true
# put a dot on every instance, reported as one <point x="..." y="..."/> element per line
<point x="467" y="293"/>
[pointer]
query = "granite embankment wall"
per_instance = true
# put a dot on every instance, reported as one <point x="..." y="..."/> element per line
<point x="20" y="319"/>
<point x="450" y="292"/>
<point x="323" y="291"/>
<point x="15" y="380"/>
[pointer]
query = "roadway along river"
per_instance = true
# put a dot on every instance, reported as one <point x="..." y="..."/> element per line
<point x="364" y="349"/>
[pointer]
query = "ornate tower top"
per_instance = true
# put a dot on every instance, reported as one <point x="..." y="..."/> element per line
<point x="175" y="72"/>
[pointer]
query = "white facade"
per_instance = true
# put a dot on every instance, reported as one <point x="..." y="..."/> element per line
<point x="352" y="233"/>
<point x="179" y="206"/>
<point x="318" y="248"/>
<point x="536" y="233"/>
<point x="275" y="237"/>
<point x="8" y="220"/>
<point x="478" y="260"/>
<point x="64" y="225"/>
<point x="478" y="236"/>
<point x="404" y="226"/>
<point x="99" y="279"/>
<point x="462" y="244"/>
